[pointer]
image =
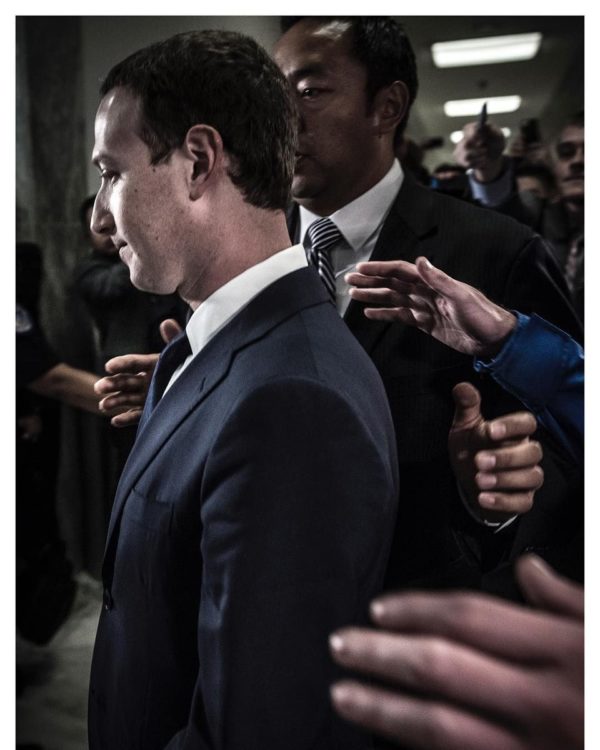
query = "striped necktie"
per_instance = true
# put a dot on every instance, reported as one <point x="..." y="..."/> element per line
<point x="323" y="234"/>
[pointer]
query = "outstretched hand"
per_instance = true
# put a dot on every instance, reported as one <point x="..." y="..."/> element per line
<point x="467" y="671"/>
<point x="126" y="386"/>
<point x="495" y="462"/>
<point x="420" y="295"/>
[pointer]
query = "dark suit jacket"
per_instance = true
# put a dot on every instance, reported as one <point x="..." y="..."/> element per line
<point x="253" y="517"/>
<point x="436" y="542"/>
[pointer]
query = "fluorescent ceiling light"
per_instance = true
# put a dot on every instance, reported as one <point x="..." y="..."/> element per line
<point x="495" y="106"/>
<point x="456" y="136"/>
<point x="485" y="51"/>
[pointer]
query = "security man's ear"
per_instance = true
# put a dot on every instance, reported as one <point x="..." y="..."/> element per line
<point x="203" y="148"/>
<point x="390" y="106"/>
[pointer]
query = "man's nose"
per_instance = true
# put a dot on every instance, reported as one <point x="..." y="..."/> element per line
<point x="576" y="165"/>
<point x="578" y="156"/>
<point x="102" y="220"/>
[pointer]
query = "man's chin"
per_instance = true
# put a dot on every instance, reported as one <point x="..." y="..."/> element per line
<point x="306" y="187"/>
<point x="574" y="194"/>
<point x="138" y="279"/>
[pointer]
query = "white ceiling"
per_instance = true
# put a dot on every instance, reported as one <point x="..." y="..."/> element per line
<point x="550" y="85"/>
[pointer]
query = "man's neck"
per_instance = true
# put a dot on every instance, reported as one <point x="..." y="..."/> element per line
<point x="253" y="235"/>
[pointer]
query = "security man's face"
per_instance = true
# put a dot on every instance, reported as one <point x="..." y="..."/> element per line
<point x="337" y="153"/>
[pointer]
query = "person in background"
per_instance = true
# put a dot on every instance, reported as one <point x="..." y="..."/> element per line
<point x="537" y="179"/>
<point x="492" y="181"/>
<point x="450" y="179"/>
<point x="355" y="79"/>
<point x="45" y="584"/>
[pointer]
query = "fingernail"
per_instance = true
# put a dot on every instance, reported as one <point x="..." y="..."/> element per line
<point x="336" y="643"/>
<point x="486" y="500"/>
<point x="486" y="481"/>
<point x="485" y="461"/>
<point x="340" y="694"/>
<point x="497" y="430"/>
<point x="377" y="609"/>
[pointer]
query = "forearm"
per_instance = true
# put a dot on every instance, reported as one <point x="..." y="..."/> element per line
<point x="544" y="368"/>
<point x="70" y="385"/>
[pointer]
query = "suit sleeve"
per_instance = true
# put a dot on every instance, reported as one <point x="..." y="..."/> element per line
<point x="299" y="506"/>
<point x="536" y="285"/>
<point x="544" y="368"/>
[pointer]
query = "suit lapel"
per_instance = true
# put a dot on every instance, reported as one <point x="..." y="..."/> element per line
<point x="411" y="218"/>
<point x="285" y="297"/>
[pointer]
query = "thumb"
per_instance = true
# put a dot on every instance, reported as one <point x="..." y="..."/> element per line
<point x="436" y="279"/>
<point x="468" y="405"/>
<point x="547" y="590"/>
<point x="169" y="328"/>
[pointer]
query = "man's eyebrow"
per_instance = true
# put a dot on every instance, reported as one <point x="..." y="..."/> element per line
<point x="101" y="157"/>
<point x="312" y="69"/>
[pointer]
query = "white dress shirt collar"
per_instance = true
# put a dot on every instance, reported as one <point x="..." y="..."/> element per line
<point x="224" y="304"/>
<point x="218" y="309"/>
<point x="363" y="216"/>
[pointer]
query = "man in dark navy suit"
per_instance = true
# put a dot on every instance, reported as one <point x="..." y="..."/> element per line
<point x="255" y="512"/>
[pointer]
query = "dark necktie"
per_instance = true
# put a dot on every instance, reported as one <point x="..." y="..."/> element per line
<point x="174" y="354"/>
<point x="324" y="234"/>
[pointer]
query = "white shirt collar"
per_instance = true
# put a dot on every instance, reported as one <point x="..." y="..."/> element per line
<point x="218" y="309"/>
<point x="363" y="216"/>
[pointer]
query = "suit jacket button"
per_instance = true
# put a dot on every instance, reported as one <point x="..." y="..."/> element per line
<point x="107" y="600"/>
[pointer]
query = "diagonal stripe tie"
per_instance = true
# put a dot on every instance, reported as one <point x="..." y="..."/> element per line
<point x="324" y="234"/>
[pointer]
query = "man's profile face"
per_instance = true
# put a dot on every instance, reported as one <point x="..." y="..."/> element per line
<point x="569" y="164"/>
<point x="336" y="131"/>
<point x="139" y="205"/>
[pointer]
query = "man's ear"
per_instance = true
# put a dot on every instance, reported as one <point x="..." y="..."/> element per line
<point x="203" y="149"/>
<point x="390" y="105"/>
